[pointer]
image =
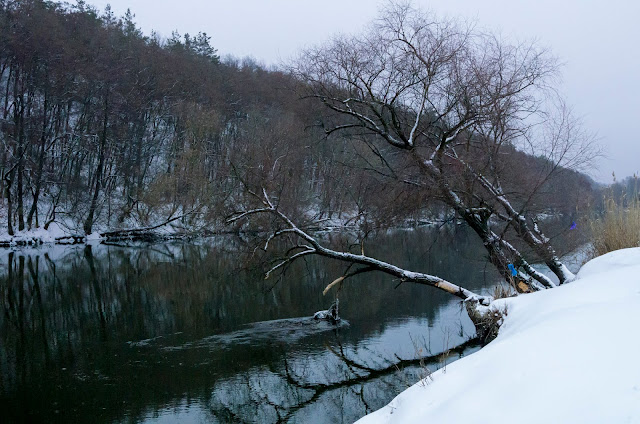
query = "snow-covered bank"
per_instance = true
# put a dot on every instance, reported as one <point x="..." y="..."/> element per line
<point x="54" y="234"/>
<point x="567" y="355"/>
<point x="57" y="235"/>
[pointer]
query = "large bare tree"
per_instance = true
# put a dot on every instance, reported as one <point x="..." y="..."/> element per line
<point x="443" y="105"/>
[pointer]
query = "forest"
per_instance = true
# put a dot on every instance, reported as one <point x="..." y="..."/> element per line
<point x="105" y="129"/>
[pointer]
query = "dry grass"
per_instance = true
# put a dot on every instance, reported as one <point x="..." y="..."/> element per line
<point x="618" y="228"/>
<point x="502" y="291"/>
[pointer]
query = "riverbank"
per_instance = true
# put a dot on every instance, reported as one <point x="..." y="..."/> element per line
<point x="567" y="355"/>
<point x="64" y="235"/>
<point x="56" y="235"/>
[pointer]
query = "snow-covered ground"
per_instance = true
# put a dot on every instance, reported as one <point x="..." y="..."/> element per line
<point x="37" y="236"/>
<point x="567" y="355"/>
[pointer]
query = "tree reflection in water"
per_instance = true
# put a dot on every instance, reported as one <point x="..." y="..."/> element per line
<point x="126" y="334"/>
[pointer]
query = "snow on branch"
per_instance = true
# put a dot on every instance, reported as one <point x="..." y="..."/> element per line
<point x="367" y="263"/>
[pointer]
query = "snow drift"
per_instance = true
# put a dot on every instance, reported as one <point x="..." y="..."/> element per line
<point x="567" y="355"/>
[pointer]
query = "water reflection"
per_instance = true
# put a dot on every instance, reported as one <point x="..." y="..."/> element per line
<point x="180" y="332"/>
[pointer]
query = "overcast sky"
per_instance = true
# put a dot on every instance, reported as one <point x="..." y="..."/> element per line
<point x="596" y="40"/>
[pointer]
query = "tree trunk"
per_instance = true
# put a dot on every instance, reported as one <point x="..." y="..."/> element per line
<point x="486" y="320"/>
<point x="19" y="122"/>
<point x="88" y="224"/>
<point x="38" y="182"/>
<point x="501" y="254"/>
<point x="534" y="238"/>
<point x="9" y="205"/>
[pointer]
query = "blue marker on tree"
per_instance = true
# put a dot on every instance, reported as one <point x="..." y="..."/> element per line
<point x="573" y="225"/>
<point x="513" y="270"/>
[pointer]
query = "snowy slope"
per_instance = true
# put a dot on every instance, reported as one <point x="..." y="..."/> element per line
<point x="567" y="355"/>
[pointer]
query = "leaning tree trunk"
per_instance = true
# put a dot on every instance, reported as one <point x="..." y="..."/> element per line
<point x="533" y="237"/>
<point x="501" y="253"/>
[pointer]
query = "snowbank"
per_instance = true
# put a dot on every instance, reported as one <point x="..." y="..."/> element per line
<point x="567" y="355"/>
<point x="36" y="236"/>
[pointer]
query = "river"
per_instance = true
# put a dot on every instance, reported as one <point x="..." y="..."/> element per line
<point x="187" y="332"/>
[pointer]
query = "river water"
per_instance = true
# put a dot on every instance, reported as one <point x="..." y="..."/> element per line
<point x="186" y="332"/>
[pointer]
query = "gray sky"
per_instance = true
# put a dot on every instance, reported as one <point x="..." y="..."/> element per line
<point x="595" y="39"/>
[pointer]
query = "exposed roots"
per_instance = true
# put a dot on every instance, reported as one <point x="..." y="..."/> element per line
<point x="486" y="319"/>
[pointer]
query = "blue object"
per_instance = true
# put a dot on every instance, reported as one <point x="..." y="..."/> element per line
<point x="573" y="225"/>
<point x="513" y="270"/>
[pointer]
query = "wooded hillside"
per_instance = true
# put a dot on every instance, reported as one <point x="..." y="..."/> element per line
<point x="104" y="127"/>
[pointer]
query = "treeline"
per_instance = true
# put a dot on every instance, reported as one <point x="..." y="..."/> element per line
<point x="104" y="127"/>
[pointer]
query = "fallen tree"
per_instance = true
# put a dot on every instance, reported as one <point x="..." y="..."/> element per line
<point x="441" y="105"/>
<point x="303" y="243"/>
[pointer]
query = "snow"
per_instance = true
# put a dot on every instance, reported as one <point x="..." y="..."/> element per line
<point x="95" y="236"/>
<point x="620" y="259"/>
<point x="566" y="355"/>
<point x="38" y="235"/>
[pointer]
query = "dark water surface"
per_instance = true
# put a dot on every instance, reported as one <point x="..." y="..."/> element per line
<point x="180" y="333"/>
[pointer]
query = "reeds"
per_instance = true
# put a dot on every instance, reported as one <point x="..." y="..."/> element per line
<point x="619" y="225"/>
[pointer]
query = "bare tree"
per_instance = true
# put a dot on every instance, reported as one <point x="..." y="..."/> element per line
<point x="453" y="100"/>
<point x="443" y="105"/>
